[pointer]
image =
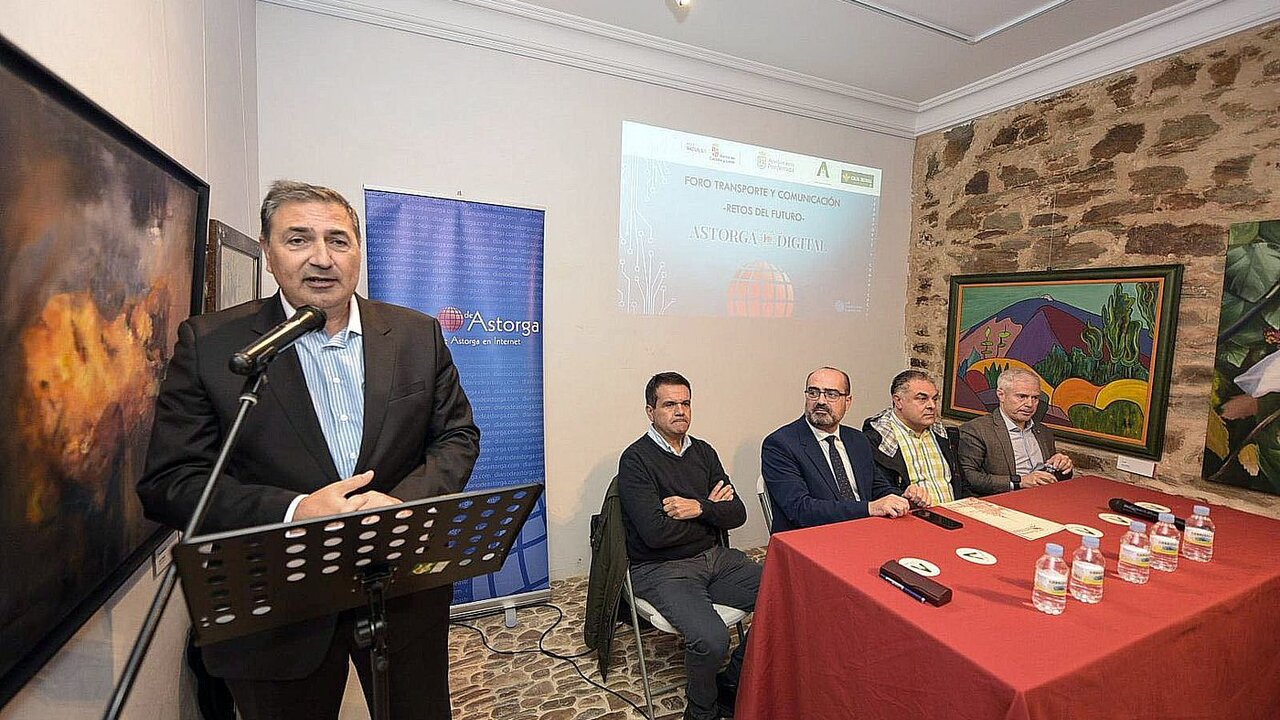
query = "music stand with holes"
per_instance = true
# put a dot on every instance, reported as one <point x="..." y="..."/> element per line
<point x="244" y="581"/>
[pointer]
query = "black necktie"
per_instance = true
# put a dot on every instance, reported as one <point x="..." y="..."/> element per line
<point x="843" y="485"/>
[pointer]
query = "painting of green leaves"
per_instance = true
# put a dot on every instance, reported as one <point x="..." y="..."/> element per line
<point x="1100" y="340"/>
<point x="1242" y="445"/>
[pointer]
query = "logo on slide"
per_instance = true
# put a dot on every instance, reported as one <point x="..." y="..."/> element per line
<point x="720" y="156"/>
<point x="849" y="177"/>
<point x="761" y="289"/>
<point x="450" y="318"/>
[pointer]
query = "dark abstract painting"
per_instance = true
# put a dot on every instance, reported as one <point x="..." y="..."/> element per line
<point x="1101" y="342"/>
<point x="99" y="239"/>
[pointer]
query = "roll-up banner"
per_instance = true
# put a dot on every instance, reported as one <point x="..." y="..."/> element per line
<point x="477" y="268"/>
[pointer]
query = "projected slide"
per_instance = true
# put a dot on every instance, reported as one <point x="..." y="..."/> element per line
<point x="718" y="228"/>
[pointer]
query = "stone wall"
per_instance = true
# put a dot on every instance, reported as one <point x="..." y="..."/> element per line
<point x="1149" y="166"/>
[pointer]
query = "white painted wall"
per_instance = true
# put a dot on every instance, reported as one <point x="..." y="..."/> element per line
<point x="348" y="104"/>
<point x="181" y="74"/>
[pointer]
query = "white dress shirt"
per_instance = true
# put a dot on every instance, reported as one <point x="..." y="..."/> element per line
<point x="822" y="436"/>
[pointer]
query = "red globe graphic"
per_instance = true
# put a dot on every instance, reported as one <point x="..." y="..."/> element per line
<point x="450" y="318"/>
<point x="761" y="289"/>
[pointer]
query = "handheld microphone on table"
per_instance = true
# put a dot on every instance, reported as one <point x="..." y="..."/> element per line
<point x="257" y="354"/>
<point x="1125" y="507"/>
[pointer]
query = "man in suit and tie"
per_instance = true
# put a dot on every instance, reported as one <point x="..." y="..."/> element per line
<point x="818" y="471"/>
<point x="363" y="413"/>
<point x="1007" y="449"/>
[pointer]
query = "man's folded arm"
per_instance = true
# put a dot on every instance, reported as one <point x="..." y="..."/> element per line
<point x="642" y="503"/>
<point x="725" y="514"/>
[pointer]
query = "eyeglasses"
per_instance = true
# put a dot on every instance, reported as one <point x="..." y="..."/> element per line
<point x="814" y="393"/>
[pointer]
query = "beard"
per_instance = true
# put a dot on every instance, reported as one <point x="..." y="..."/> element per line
<point x="822" y="418"/>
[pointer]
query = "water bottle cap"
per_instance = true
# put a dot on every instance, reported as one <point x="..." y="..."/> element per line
<point x="1137" y="526"/>
<point x="1053" y="549"/>
<point x="1090" y="542"/>
<point x="1166" y="517"/>
<point x="1201" y="510"/>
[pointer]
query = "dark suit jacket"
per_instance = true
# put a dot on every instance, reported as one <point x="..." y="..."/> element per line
<point x="419" y="439"/>
<point x="877" y="429"/>
<point x="986" y="452"/>
<point x="802" y="488"/>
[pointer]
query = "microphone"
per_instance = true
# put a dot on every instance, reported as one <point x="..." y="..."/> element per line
<point x="1125" y="507"/>
<point x="255" y="356"/>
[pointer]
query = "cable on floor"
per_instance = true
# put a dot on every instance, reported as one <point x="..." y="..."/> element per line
<point x="542" y="650"/>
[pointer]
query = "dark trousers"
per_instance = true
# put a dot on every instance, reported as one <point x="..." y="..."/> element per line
<point x="419" y="680"/>
<point x="212" y="695"/>
<point x="683" y="591"/>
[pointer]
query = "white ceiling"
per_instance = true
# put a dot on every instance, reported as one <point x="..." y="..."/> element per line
<point x="839" y="61"/>
<point x="968" y="21"/>
<point x="846" y="43"/>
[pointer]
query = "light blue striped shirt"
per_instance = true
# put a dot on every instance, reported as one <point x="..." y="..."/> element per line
<point x="1027" y="455"/>
<point x="334" y="370"/>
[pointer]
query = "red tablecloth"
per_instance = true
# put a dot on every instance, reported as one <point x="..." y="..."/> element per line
<point x="830" y="639"/>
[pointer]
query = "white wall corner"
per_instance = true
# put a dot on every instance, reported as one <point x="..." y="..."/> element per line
<point x="535" y="32"/>
<point x="1182" y="26"/>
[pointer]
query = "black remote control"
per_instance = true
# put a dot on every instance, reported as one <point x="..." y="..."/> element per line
<point x="941" y="521"/>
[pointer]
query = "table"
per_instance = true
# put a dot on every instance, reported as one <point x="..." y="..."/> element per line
<point x="830" y="639"/>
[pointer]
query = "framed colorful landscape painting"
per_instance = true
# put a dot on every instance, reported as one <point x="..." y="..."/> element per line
<point x="1100" y="340"/>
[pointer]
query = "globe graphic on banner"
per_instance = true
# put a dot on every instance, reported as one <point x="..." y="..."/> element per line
<point x="761" y="289"/>
<point x="450" y="318"/>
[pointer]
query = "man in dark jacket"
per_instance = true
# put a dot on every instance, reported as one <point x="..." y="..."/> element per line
<point x="911" y="446"/>
<point x="365" y="412"/>
<point x="608" y="573"/>
<point x="818" y="471"/>
<point x="677" y="501"/>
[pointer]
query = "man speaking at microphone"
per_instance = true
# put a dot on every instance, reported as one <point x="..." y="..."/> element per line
<point x="366" y="412"/>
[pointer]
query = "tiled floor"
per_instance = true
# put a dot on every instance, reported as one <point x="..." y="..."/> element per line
<point x="530" y="686"/>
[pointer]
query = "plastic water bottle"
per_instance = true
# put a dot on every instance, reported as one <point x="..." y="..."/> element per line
<point x="1197" y="542"/>
<point x="1165" y="539"/>
<point x="1050" y="592"/>
<point x="1088" y="568"/>
<point x="1135" y="555"/>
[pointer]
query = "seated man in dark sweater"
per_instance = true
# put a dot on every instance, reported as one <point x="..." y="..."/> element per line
<point x="676" y="502"/>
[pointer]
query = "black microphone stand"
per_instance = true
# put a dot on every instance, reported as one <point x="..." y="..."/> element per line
<point x="248" y="398"/>
<point x="372" y="634"/>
